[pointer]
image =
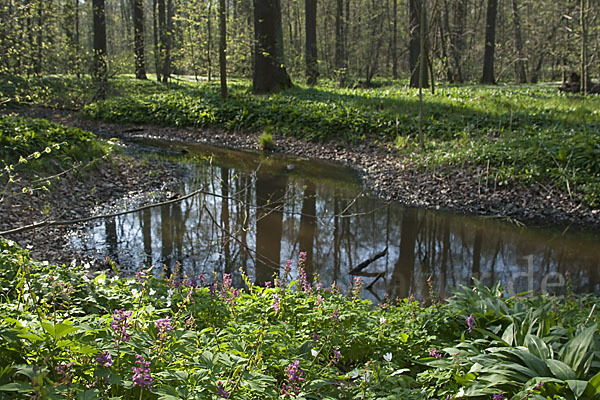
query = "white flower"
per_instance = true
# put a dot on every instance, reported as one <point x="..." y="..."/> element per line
<point x="136" y="293"/>
<point x="114" y="279"/>
<point x="152" y="292"/>
<point x="169" y="295"/>
<point x="314" y="352"/>
<point x="387" y="357"/>
<point x="382" y="320"/>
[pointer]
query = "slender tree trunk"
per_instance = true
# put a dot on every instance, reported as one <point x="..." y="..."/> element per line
<point x="223" y="48"/>
<point x="77" y="40"/>
<point x="138" y="40"/>
<point x="209" y="42"/>
<point x="168" y="41"/>
<point x="422" y="71"/>
<point x="415" y="45"/>
<point x="584" y="61"/>
<point x="270" y="74"/>
<point x="395" y="39"/>
<point x="443" y="42"/>
<point x="520" y="65"/>
<point x="490" y="43"/>
<point x="156" y="38"/>
<point x="312" y="73"/>
<point x="100" y="56"/>
<point x="308" y="225"/>
<point x="37" y="67"/>
<point x="162" y="38"/>
<point x="340" y="65"/>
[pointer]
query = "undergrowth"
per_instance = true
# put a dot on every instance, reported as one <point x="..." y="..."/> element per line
<point x="68" y="332"/>
<point x="500" y="134"/>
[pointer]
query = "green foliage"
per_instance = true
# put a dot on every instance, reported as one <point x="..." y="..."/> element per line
<point x="265" y="141"/>
<point x="71" y="333"/>
<point x="501" y="135"/>
<point x="44" y="145"/>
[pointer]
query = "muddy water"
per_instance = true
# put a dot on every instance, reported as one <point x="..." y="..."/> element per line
<point x="257" y="211"/>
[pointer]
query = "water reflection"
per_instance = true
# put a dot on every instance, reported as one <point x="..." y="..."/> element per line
<point x="258" y="212"/>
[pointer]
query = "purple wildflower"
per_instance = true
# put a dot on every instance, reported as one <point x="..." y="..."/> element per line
<point x="202" y="279"/>
<point x="335" y="316"/>
<point x="302" y="258"/>
<point x="435" y="353"/>
<point x="268" y="284"/>
<point x="104" y="359"/>
<point x="320" y="300"/>
<point x="337" y="356"/>
<point x="141" y="374"/>
<point x="315" y="338"/>
<point x="288" y="267"/>
<point x="538" y="386"/>
<point x="471" y="322"/>
<point x="221" y="390"/>
<point x="358" y="283"/>
<point x="119" y="325"/>
<point x="213" y="289"/>
<point x="163" y="325"/>
<point x="499" y="396"/>
<point x="295" y="373"/>
<point x="305" y="285"/>
<point x="276" y="302"/>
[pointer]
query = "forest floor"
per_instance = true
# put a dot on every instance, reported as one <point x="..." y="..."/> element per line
<point x="382" y="171"/>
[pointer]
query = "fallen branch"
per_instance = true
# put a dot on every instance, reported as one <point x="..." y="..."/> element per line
<point x="367" y="262"/>
<point x="92" y="218"/>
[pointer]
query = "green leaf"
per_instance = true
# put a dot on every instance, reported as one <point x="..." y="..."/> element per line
<point x="576" y="351"/>
<point x="16" y="387"/>
<point x="537" y="347"/>
<point x="577" y="387"/>
<point x="561" y="370"/>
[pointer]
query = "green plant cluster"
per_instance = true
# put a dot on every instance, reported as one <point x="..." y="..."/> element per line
<point x="26" y="141"/>
<point x="68" y="332"/>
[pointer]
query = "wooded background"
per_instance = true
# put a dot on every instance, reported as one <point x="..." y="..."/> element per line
<point x="527" y="40"/>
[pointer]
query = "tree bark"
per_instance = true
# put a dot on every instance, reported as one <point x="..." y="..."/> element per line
<point x="162" y="39"/>
<point x="490" y="43"/>
<point x="312" y="72"/>
<point x="270" y="74"/>
<point x="415" y="7"/>
<point x="520" y="65"/>
<point x="584" y="70"/>
<point x="138" y="40"/>
<point x="223" y="48"/>
<point x="395" y="39"/>
<point x="340" y="59"/>
<point x="156" y="33"/>
<point x="169" y="41"/>
<point x="100" y="62"/>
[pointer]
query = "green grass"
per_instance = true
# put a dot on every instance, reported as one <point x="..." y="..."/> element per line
<point x="517" y="134"/>
<point x="56" y="321"/>
<point x="43" y="146"/>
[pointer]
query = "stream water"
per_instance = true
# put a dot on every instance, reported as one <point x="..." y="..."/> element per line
<point x="257" y="211"/>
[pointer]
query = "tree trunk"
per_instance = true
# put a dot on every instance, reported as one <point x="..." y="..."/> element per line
<point x="162" y="38"/>
<point x="308" y="227"/>
<point x="100" y="62"/>
<point x="209" y="42"/>
<point x="520" y="65"/>
<point x="584" y="70"/>
<point x="312" y="72"/>
<point x="37" y="66"/>
<point x="223" y="48"/>
<point x="168" y="41"/>
<point x="138" y="40"/>
<point x="340" y="64"/>
<point x="270" y="74"/>
<point x="156" y="40"/>
<point x="490" y="43"/>
<point x="395" y="39"/>
<point x="415" y="42"/>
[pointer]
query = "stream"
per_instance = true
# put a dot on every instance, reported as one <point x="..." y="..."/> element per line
<point x="255" y="211"/>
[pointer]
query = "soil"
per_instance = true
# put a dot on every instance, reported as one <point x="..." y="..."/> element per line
<point x="383" y="172"/>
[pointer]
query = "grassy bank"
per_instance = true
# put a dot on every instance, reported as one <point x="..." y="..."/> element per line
<point x="502" y="134"/>
<point x="70" y="333"/>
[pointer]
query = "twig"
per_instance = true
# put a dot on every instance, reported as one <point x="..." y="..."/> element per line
<point x="368" y="261"/>
<point x="92" y="218"/>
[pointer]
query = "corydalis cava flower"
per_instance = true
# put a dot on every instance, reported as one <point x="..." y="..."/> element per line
<point x="104" y="359"/>
<point x="471" y="322"/>
<point x="164" y="326"/>
<point x="141" y="374"/>
<point x="119" y="325"/>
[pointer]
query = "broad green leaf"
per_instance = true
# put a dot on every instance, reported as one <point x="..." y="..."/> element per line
<point x="561" y="370"/>
<point x="16" y="387"/>
<point x="509" y="334"/>
<point x="537" y="347"/>
<point x="577" y="387"/>
<point x="576" y="351"/>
